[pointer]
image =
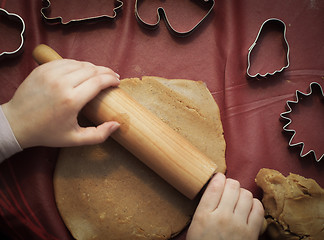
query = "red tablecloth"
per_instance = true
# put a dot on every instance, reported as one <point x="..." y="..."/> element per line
<point x="216" y="54"/>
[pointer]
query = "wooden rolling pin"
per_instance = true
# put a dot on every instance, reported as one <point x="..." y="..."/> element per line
<point x="142" y="133"/>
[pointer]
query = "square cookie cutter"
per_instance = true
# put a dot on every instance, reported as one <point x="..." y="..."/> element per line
<point x="59" y="19"/>
<point x="18" y="19"/>
<point x="285" y="116"/>
<point x="278" y="24"/>
<point x="161" y="13"/>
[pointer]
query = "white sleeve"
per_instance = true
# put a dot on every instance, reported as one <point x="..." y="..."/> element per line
<point x="8" y="142"/>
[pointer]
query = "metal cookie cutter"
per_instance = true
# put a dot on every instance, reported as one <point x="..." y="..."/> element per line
<point x="17" y="18"/>
<point x="59" y="19"/>
<point x="206" y="4"/>
<point x="276" y="23"/>
<point x="299" y="95"/>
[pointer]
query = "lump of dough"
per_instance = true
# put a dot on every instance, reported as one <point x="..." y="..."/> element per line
<point x="294" y="205"/>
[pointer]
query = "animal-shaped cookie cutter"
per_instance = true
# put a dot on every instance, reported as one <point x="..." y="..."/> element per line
<point x="17" y="18"/>
<point x="280" y="24"/>
<point x="206" y="4"/>
<point x="285" y="116"/>
<point x="59" y="19"/>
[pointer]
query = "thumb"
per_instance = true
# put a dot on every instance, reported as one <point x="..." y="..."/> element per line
<point x="95" y="135"/>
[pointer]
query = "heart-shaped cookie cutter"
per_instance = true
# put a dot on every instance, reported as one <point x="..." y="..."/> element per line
<point x="285" y="116"/>
<point x="17" y="18"/>
<point x="59" y="19"/>
<point x="208" y="4"/>
<point x="276" y="22"/>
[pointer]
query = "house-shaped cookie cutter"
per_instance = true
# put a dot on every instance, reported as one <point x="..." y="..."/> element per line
<point x="206" y="4"/>
<point x="59" y="19"/>
<point x="17" y="18"/>
<point x="285" y="116"/>
<point x="282" y="25"/>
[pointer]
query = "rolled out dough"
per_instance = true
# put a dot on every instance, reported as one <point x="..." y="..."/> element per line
<point x="104" y="192"/>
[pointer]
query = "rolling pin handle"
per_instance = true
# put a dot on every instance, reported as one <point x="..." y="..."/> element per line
<point x="43" y="54"/>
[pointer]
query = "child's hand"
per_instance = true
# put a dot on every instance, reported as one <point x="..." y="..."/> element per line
<point x="45" y="107"/>
<point x="226" y="212"/>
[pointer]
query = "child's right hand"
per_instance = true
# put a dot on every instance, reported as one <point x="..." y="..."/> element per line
<point x="226" y="212"/>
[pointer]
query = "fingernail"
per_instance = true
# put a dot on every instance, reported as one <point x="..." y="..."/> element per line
<point x="114" y="127"/>
<point x="118" y="76"/>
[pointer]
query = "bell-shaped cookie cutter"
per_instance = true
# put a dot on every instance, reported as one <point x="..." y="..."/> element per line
<point x="59" y="20"/>
<point x="208" y="4"/>
<point x="285" y="117"/>
<point x="17" y="18"/>
<point x="269" y="21"/>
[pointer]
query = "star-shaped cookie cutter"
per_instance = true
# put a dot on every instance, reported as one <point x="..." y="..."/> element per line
<point x="208" y="4"/>
<point x="283" y="115"/>
<point x="59" y="19"/>
<point x="17" y="18"/>
<point x="280" y="24"/>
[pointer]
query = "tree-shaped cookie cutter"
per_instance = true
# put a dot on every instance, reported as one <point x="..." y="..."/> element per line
<point x="282" y="25"/>
<point x="59" y="20"/>
<point x="285" y="116"/>
<point x="208" y="4"/>
<point x="17" y="18"/>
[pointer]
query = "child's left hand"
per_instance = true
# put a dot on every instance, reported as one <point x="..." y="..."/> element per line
<point x="45" y="107"/>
